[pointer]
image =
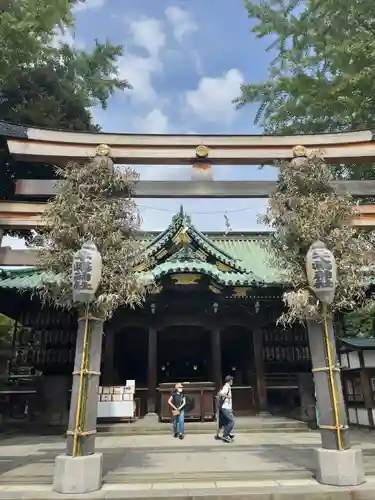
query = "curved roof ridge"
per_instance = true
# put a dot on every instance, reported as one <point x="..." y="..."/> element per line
<point x="221" y="252"/>
<point x="224" y="277"/>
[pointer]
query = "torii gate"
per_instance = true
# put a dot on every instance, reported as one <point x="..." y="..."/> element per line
<point x="54" y="147"/>
<point x="34" y="145"/>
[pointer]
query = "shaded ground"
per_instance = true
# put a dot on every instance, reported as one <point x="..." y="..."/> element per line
<point x="149" y="458"/>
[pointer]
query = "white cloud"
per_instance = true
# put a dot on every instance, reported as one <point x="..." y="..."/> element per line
<point x="13" y="242"/>
<point x="89" y="5"/>
<point x="212" y="99"/>
<point x="155" y="122"/>
<point x="147" y="34"/>
<point x="65" y="36"/>
<point x="139" y="71"/>
<point x="181" y="21"/>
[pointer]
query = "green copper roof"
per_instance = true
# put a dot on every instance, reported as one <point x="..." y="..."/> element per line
<point x="358" y="342"/>
<point x="25" y="279"/>
<point x="247" y="255"/>
<point x="224" y="278"/>
<point x="254" y="254"/>
<point x="181" y="222"/>
<point x="231" y="260"/>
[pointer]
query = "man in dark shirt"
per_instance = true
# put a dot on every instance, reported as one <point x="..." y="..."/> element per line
<point x="177" y="402"/>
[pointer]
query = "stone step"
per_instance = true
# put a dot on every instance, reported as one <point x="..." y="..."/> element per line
<point x="141" y="428"/>
<point x="188" y="477"/>
<point x="286" y="473"/>
<point x="305" y="489"/>
<point x="185" y="477"/>
<point x="140" y="431"/>
<point x="146" y="478"/>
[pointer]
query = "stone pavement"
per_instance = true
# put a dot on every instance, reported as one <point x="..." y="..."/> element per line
<point x="158" y="465"/>
<point x="300" y="489"/>
<point x="30" y="459"/>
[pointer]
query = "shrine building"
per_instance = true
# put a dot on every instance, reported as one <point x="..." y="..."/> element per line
<point x="214" y="313"/>
<point x="218" y="297"/>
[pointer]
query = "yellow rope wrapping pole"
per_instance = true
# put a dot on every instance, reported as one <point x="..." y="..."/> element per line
<point x="76" y="441"/>
<point x="332" y="380"/>
<point x="85" y="385"/>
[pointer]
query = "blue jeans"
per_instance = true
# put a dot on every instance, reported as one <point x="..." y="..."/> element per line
<point x="229" y="421"/>
<point x="178" y="423"/>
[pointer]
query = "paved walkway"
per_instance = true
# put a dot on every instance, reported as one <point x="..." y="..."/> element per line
<point x="300" y="489"/>
<point x="159" y="458"/>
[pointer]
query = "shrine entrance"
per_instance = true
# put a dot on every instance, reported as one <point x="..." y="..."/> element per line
<point x="184" y="355"/>
<point x="130" y="356"/>
<point x="237" y="355"/>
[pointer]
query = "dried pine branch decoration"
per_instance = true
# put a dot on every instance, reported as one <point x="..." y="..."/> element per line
<point x="304" y="208"/>
<point x="94" y="204"/>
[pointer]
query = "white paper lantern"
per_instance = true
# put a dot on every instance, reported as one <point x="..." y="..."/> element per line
<point x="321" y="271"/>
<point x="86" y="273"/>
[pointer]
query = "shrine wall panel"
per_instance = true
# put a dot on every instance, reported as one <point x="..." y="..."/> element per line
<point x="362" y="415"/>
<point x="344" y="360"/>
<point x="369" y="359"/>
<point x="45" y="340"/>
<point x="354" y="360"/>
<point x="352" y="416"/>
<point x="284" y="348"/>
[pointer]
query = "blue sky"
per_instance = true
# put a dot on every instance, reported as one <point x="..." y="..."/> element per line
<point x="186" y="60"/>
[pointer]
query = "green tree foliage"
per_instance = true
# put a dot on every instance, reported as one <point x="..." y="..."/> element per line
<point x="94" y="204"/>
<point x="43" y="96"/>
<point x="26" y="30"/>
<point x="360" y="322"/>
<point x="6" y="331"/>
<point x="321" y="78"/>
<point x="305" y="208"/>
<point x="48" y="83"/>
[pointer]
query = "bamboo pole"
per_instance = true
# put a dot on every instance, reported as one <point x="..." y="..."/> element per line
<point x="80" y="416"/>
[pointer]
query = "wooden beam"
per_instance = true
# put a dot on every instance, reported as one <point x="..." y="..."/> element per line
<point x="15" y="207"/>
<point x="175" y="140"/>
<point x="28" y="257"/>
<point x="35" y="188"/>
<point x="17" y="215"/>
<point x="58" y="146"/>
<point x="366" y="217"/>
<point x="42" y="188"/>
<point x="14" y="215"/>
<point x="254" y="152"/>
<point x="9" y="257"/>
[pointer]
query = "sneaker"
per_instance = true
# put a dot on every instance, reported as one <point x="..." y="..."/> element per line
<point x="232" y="436"/>
<point x="217" y="437"/>
<point x="175" y="435"/>
<point x="226" y="439"/>
<point x="181" y="436"/>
